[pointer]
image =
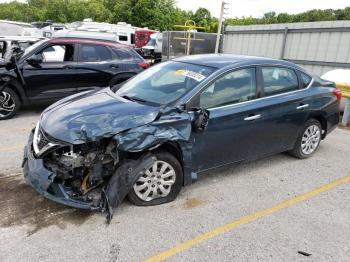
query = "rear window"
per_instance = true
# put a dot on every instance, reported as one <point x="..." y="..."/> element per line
<point x="125" y="54"/>
<point x="305" y="80"/>
<point x="2" y="49"/>
<point x="123" y="38"/>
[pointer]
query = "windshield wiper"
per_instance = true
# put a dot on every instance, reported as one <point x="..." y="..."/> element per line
<point x="134" y="99"/>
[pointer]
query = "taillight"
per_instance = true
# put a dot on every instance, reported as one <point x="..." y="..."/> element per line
<point x="337" y="93"/>
<point x="144" y="65"/>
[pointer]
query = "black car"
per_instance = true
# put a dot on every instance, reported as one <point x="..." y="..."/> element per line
<point x="171" y="122"/>
<point x="52" y="69"/>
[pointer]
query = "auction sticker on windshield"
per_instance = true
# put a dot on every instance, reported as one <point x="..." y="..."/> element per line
<point x="196" y="76"/>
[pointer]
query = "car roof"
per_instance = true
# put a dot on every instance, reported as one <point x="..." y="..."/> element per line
<point x="20" y="38"/>
<point x="228" y="60"/>
<point x="73" y="40"/>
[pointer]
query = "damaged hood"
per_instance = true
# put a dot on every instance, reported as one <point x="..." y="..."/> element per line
<point x="91" y="116"/>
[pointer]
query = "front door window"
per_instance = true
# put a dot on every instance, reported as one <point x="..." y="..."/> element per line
<point x="234" y="87"/>
<point x="58" y="53"/>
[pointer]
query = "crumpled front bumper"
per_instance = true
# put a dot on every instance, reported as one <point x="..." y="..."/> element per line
<point x="42" y="180"/>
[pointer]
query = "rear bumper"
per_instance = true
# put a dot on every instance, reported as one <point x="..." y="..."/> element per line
<point x="333" y="120"/>
<point x="42" y="180"/>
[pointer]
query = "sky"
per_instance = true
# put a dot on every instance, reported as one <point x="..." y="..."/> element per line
<point x="256" y="8"/>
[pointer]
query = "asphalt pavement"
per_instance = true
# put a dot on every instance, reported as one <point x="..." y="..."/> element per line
<point x="275" y="209"/>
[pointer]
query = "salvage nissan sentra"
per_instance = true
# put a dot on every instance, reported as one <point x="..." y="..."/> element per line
<point x="153" y="134"/>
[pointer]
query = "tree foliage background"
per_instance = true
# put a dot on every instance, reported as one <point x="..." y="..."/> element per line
<point x="156" y="14"/>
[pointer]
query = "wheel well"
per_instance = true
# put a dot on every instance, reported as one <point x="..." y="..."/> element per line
<point x="173" y="149"/>
<point x="323" y="123"/>
<point x="14" y="89"/>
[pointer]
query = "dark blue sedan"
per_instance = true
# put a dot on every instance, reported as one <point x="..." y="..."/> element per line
<point x="155" y="133"/>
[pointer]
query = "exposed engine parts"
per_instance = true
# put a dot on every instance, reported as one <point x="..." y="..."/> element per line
<point x="83" y="168"/>
<point x="72" y="160"/>
<point x="93" y="173"/>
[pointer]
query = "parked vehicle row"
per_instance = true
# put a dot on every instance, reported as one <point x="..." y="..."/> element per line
<point x="157" y="131"/>
<point x="122" y="32"/>
<point x="52" y="69"/>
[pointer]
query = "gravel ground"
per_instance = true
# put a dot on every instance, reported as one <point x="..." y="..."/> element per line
<point x="33" y="228"/>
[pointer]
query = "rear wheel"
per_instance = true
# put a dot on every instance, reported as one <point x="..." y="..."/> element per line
<point x="9" y="103"/>
<point x="309" y="140"/>
<point x="161" y="182"/>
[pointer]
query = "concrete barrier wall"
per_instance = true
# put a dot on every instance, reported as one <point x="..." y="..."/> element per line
<point x="317" y="46"/>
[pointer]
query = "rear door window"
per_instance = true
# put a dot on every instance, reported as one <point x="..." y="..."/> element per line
<point x="94" y="53"/>
<point x="278" y="80"/>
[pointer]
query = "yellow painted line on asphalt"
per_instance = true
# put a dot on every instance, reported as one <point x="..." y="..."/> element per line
<point x="11" y="148"/>
<point x="244" y="220"/>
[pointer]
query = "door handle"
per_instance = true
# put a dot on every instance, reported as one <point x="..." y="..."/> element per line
<point x="254" y="117"/>
<point x="114" y="66"/>
<point x="302" y="106"/>
<point x="68" y="67"/>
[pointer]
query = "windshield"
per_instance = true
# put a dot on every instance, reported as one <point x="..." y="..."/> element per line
<point x="151" y="42"/>
<point x="164" y="83"/>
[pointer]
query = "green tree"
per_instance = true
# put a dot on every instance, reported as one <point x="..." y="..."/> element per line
<point x="203" y="18"/>
<point x="156" y="14"/>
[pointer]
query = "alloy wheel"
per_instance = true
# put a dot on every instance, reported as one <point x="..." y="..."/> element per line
<point x="310" y="140"/>
<point x="156" y="182"/>
<point x="7" y="104"/>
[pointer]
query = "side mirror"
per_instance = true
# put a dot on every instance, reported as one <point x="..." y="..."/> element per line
<point x="35" y="60"/>
<point x="201" y="120"/>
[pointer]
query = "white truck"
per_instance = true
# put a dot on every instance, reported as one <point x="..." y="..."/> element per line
<point x="152" y="51"/>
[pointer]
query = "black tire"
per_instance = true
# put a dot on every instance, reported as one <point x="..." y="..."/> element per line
<point x="14" y="99"/>
<point x="297" y="150"/>
<point x="175" y="188"/>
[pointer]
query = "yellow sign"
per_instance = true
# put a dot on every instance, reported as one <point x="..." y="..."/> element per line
<point x="345" y="89"/>
<point x="190" y="26"/>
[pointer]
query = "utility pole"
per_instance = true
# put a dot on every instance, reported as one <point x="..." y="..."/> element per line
<point x="222" y="12"/>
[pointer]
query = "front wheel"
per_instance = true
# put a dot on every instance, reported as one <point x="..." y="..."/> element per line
<point x="161" y="183"/>
<point x="9" y="103"/>
<point x="308" y="141"/>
